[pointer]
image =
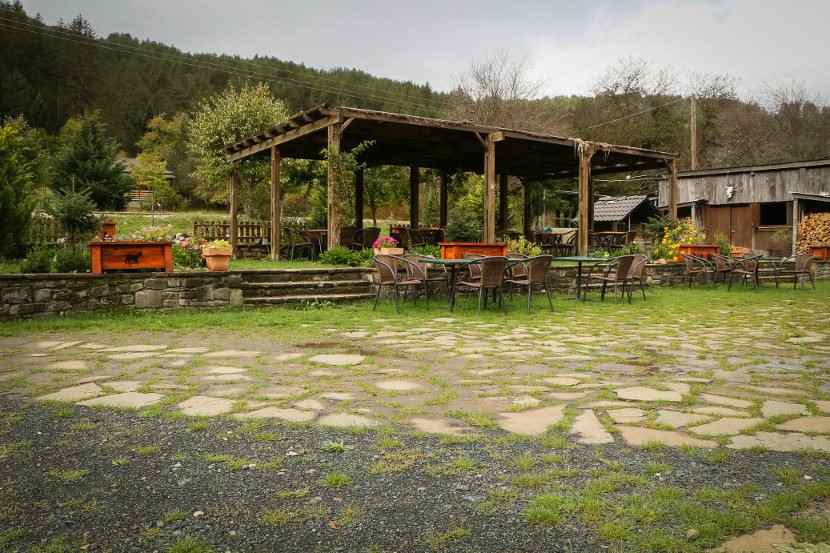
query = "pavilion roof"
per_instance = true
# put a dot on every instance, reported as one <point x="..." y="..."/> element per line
<point x="411" y="140"/>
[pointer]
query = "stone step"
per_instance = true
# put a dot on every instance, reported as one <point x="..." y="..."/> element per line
<point x="305" y="275"/>
<point x="276" y="289"/>
<point x="307" y="298"/>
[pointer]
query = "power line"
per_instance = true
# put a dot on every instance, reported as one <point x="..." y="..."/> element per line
<point x="643" y="112"/>
<point x="181" y="59"/>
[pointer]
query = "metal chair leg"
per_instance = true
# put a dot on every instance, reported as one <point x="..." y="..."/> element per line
<point x="397" y="300"/>
<point x="377" y="297"/>
<point x="480" y="298"/>
<point x="549" y="294"/>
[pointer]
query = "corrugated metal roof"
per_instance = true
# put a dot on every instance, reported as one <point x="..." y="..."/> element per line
<point x="616" y="208"/>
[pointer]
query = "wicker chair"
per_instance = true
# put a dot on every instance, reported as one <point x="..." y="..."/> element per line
<point x="295" y="242"/>
<point x="492" y="279"/>
<point x="747" y="271"/>
<point x="723" y="267"/>
<point x="804" y="269"/>
<point x="616" y="274"/>
<point x="694" y="268"/>
<point x="388" y="267"/>
<point x="533" y="275"/>
<point x="474" y="269"/>
<point x="363" y="238"/>
<point x="638" y="275"/>
<point x="317" y="243"/>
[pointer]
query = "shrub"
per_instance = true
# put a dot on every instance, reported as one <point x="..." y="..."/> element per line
<point x="188" y="255"/>
<point x="39" y="260"/>
<point x="72" y="259"/>
<point x="464" y="229"/>
<point x="73" y="209"/>
<point x="17" y="182"/>
<point x="428" y="249"/>
<point x="524" y="247"/>
<point x="344" y="256"/>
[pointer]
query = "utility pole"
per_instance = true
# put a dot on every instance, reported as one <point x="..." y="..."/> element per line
<point x="693" y="131"/>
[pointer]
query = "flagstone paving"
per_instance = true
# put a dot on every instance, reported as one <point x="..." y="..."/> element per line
<point x="671" y="382"/>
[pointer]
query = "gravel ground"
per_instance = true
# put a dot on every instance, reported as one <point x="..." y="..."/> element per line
<point x="150" y="483"/>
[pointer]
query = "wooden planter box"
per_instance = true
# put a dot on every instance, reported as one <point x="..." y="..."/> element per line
<point x="457" y="250"/>
<point x="130" y="255"/>
<point x="699" y="250"/>
<point x="820" y="252"/>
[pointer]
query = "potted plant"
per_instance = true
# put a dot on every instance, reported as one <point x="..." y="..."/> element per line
<point x="217" y="255"/>
<point x="386" y="245"/>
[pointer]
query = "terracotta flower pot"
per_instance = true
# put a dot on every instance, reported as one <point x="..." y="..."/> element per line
<point x="218" y="259"/>
<point x="389" y="251"/>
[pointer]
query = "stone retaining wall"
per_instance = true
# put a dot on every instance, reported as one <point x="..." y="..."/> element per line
<point x="57" y="294"/>
<point x="24" y="296"/>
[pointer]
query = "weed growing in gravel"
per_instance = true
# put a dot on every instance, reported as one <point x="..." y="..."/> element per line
<point x="191" y="545"/>
<point x="84" y="426"/>
<point x="68" y="475"/>
<point x="524" y="462"/>
<point x="280" y="517"/>
<point x="293" y="494"/>
<point x="480" y="420"/>
<point x="442" y="541"/>
<point x="120" y="462"/>
<point x="545" y="510"/>
<point x="231" y="462"/>
<point x="458" y="465"/>
<point x="336" y="480"/>
<point x="147" y="450"/>
<point x="497" y="499"/>
<point x="7" y="450"/>
<point x="331" y="446"/>
<point x="198" y="426"/>
<point x="172" y="516"/>
<point x="787" y="475"/>
<point x="55" y="545"/>
<point x="388" y="442"/>
<point x="12" y="535"/>
<point x="397" y="460"/>
<point x="347" y="516"/>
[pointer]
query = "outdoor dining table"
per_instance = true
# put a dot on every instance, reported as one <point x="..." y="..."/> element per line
<point x="580" y="259"/>
<point x="452" y="276"/>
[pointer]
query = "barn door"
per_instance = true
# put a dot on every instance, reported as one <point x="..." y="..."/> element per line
<point x="741" y="226"/>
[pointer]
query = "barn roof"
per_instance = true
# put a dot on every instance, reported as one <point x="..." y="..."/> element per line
<point x="401" y="139"/>
<point x="617" y="208"/>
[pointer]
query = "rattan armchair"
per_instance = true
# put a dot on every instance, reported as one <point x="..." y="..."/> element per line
<point x="389" y="275"/>
<point x="534" y="276"/>
<point x="492" y="280"/>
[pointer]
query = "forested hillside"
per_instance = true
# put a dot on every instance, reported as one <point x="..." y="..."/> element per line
<point x="50" y="73"/>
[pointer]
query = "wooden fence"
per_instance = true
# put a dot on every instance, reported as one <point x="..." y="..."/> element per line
<point x="249" y="233"/>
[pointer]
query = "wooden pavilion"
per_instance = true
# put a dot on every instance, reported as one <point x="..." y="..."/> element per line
<point x="448" y="146"/>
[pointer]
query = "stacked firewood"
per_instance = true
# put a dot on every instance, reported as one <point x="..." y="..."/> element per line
<point x="814" y="230"/>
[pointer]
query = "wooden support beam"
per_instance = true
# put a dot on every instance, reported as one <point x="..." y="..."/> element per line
<point x="796" y="221"/>
<point x="673" y="187"/>
<point x="279" y="139"/>
<point x="489" y="233"/>
<point x="414" y="196"/>
<point x="233" y="200"/>
<point x="358" y="198"/>
<point x="333" y="190"/>
<point x="503" y="191"/>
<point x="527" y="227"/>
<point x="442" y="199"/>
<point x="585" y="199"/>
<point x="276" y="203"/>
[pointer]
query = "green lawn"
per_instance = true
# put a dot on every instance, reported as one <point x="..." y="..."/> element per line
<point x="665" y="304"/>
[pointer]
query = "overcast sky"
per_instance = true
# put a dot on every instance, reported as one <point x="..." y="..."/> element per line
<point x="567" y="43"/>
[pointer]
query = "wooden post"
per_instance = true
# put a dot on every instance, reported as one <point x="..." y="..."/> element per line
<point x="333" y="197"/>
<point x="502" y="219"/>
<point x="442" y="217"/>
<point x="234" y="207"/>
<point x="673" y="190"/>
<point x="693" y="132"/>
<point x="276" y="203"/>
<point x="358" y="198"/>
<point x="585" y="198"/>
<point x="527" y="223"/>
<point x="796" y="217"/>
<point x="489" y="233"/>
<point x="414" y="196"/>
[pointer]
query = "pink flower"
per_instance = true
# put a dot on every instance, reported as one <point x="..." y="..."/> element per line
<point x="385" y="242"/>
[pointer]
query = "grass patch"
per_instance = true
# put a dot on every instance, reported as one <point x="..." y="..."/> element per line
<point x="147" y="450"/>
<point x="230" y="462"/>
<point x="546" y="510"/>
<point x="191" y="545"/>
<point x="441" y="541"/>
<point x="396" y="460"/>
<point x="293" y="494"/>
<point x="458" y="465"/>
<point x="68" y="475"/>
<point x="336" y="480"/>
<point x="172" y="516"/>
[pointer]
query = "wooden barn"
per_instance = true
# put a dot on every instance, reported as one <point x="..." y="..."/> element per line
<point x="756" y="207"/>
